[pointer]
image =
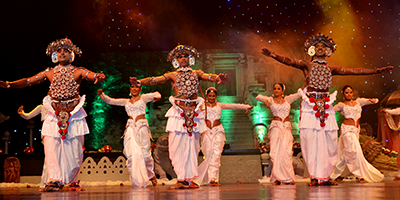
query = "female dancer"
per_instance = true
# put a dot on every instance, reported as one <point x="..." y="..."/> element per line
<point x="213" y="140"/>
<point x="280" y="135"/>
<point x="349" y="149"/>
<point x="40" y="109"/>
<point x="137" y="135"/>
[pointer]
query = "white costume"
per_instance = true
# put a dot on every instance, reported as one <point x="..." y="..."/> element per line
<point x="349" y="149"/>
<point x="281" y="139"/>
<point x="184" y="147"/>
<point x="64" y="156"/>
<point x="318" y="143"/>
<point x="213" y="142"/>
<point x="40" y="109"/>
<point x="137" y="138"/>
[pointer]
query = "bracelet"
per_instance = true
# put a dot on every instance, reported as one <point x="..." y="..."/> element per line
<point x="29" y="82"/>
<point x="352" y="70"/>
<point x="283" y="61"/>
<point x="209" y="77"/>
<point x="216" y="80"/>
<point x="37" y="78"/>
<point x="9" y="83"/>
<point x="361" y="71"/>
<point x="94" y="77"/>
<point x="153" y="81"/>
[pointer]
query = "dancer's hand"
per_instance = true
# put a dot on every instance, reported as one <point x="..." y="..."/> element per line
<point x="99" y="77"/>
<point x="382" y="70"/>
<point x="100" y="92"/>
<point x="267" y="103"/>
<point x="4" y="84"/>
<point x="268" y="53"/>
<point x="222" y="78"/>
<point x="373" y="100"/>
<point x="247" y="110"/>
<point x="134" y="81"/>
<point x="21" y="110"/>
<point x="156" y="99"/>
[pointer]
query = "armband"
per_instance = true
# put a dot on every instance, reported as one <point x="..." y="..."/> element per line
<point x="87" y="73"/>
<point x="45" y="77"/>
<point x="165" y="77"/>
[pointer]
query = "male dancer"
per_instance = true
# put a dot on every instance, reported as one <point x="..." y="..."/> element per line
<point x="64" y="126"/>
<point x="318" y="127"/>
<point x="185" y="120"/>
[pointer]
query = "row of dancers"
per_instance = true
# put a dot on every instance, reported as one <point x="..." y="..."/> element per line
<point x="64" y="124"/>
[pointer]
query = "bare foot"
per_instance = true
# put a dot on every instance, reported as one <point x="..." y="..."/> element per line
<point x="330" y="182"/>
<point x="50" y="188"/>
<point x="193" y="186"/>
<point x="75" y="186"/>
<point x="214" y="183"/>
<point x="276" y="183"/>
<point x="153" y="181"/>
<point x="179" y="185"/>
<point x="289" y="183"/>
<point x="363" y="181"/>
<point x="314" y="182"/>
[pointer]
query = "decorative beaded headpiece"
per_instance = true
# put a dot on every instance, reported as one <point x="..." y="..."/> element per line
<point x="320" y="38"/>
<point x="182" y="49"/>
<point x="64" y="43"/>
<point x="211" y="89"/>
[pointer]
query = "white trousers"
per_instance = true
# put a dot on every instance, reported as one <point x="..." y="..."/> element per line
<point x="140" y="163"/>
<point x="319" y="149"/>
<point x="183" y="152"/>
<point x="281" y="151"/>
<point x="212" y="145"/>
<point x="350" y="154"/>
<point x="63" y="158"/>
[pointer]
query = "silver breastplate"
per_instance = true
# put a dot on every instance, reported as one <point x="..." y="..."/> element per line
<point x="64" y="85"/>
<point x="320" y="77"/>
<point x="187" y="83"/>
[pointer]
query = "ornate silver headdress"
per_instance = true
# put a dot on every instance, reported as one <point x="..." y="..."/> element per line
<point x="320" y="38"/>
<point x="65" y="43"/>
<point x="182" y="49"/>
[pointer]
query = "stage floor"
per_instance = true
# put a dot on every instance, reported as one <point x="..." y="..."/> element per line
<point x="347" y="190"/>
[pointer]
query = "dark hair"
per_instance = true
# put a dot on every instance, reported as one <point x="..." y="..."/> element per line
<point x="345" y="87"/>
<point x="139" y="85"/>
<point x="211" y="90"/>
<point x="280" y="84"/>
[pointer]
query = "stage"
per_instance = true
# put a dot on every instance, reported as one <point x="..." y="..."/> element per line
<point x="346" y="190"/>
